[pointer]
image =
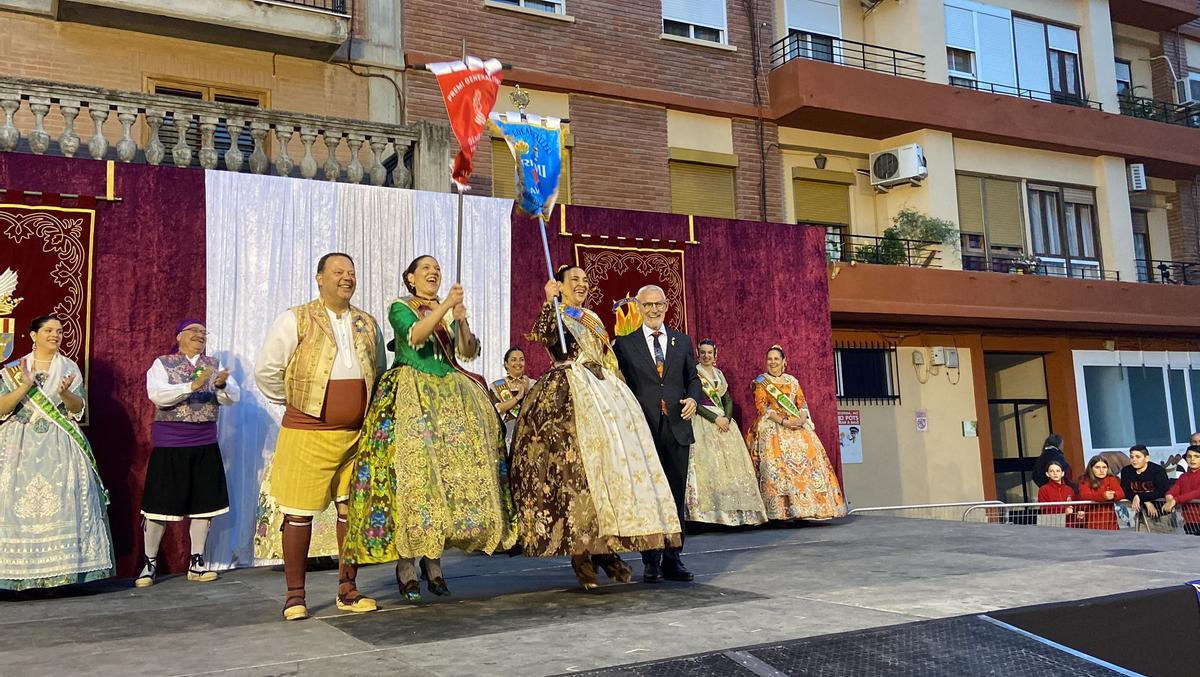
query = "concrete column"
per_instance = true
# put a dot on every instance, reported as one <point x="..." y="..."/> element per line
<point x="1115" y="224"/>
<point x="1097" y="55"/>
<point x="431" y="160"/>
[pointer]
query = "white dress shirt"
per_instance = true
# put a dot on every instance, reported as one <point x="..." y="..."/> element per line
<point x="165" y="394"/>
<point x="648" y="333"/>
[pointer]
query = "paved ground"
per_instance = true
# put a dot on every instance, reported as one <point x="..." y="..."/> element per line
<point x="516" y="616"/>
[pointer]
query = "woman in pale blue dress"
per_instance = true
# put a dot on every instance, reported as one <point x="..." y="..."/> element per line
<point x="53" y="508"/>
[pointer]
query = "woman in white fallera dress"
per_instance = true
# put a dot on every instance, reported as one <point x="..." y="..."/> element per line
<point x="721" y="485"/>
<point x="53" y="507"/>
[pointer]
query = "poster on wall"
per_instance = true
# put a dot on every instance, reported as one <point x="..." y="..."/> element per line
<point x="850" y="435"/>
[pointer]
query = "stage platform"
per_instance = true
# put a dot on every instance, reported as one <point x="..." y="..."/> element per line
<point x="866" y="595"/>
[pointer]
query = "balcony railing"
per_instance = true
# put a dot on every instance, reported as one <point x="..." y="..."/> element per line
<point x="848" y="53"/>
<point x="1168" y="272"/>
<point x="891" y="251"/>
<point x="1160" y="111"/>
<point x="158" y="129"/>
<point x="1025" y="93"/>
<point x="1078" y="269"/>
<point x="333" y="6"/>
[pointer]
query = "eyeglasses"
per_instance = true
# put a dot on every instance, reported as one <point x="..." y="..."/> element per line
<point x="661" y="305"/>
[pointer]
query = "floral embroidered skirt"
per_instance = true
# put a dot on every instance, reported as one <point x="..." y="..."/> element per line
<point x="586" y="476"/>
<point x="795" y="476"/>
<point x="721" y="485"/>
<point x="53" y="514"/>
<point x="430" y="471"/>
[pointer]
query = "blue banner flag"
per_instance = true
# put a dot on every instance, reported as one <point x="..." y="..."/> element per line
<point x="536" y="144"/>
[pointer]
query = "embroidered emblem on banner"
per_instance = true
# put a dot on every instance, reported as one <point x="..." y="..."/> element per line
<point x="8" y="303"/>
<point x="536" y="144"/>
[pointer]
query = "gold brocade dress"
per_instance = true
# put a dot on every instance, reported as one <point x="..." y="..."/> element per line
<point x="721" y="485"/>
<point x="431" y="470"/>
<point x="586" y="477"/>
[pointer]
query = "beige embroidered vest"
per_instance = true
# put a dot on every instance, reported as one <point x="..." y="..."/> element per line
<point x="307" y="373"/>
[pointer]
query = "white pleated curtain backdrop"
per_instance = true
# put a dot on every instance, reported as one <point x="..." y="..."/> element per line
<point x="264" y="236"/>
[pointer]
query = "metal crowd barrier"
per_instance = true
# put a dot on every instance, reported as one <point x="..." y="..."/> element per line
<point x="954" y="512"/>
<point x="1081" y="515"/>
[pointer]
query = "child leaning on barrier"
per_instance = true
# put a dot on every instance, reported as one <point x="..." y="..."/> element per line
<point x="1186" y="492"/>
<point x="1145" y="484"/>
<point x="1053" y="491"/>
<point x="1098" y="485"/>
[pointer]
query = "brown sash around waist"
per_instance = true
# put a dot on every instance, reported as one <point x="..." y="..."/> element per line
<point x="344" y="408"/>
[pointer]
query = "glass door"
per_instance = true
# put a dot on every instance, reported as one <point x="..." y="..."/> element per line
<point x="1019" y="408"/>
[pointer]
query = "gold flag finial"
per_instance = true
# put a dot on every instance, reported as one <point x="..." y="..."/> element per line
<point x="520" y="98"/>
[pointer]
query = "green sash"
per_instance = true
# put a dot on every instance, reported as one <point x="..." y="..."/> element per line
<point x="710" y="391"/>
<point x="44" y="405"/>
<point x="782" y="400"/>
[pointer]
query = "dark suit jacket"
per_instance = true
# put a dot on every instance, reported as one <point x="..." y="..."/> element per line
<point x="679" y="380"/>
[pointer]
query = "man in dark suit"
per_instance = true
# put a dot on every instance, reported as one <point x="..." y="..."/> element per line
<point x="660" y="368"/>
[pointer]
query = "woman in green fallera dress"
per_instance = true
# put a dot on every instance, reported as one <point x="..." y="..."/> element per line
<point x="431" y="470"/>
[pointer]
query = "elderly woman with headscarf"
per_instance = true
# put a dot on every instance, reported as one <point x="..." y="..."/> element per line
<point x="53" y="506"/>
<point x="185" y="478"/>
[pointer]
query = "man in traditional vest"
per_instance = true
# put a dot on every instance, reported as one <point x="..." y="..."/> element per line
<point x="185" y="478"/>
<point x="321" y="360"/>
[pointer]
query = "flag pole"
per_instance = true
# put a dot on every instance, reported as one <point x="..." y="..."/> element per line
<point x="562" y="337"/>
<point x="458" y="264"/>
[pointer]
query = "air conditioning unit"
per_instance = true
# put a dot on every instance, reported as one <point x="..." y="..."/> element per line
<point x="1183" y="92"/>
<point x="1137" y="177"/>
<point x="905" y="164"/>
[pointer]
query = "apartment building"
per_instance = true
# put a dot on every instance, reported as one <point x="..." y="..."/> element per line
<point x="1060" y="138"/>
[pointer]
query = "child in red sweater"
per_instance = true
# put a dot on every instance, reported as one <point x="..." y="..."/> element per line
<point x="1053" y="491"/>
<point x="1098" y="485"/>
<point x="1187" y="488"/>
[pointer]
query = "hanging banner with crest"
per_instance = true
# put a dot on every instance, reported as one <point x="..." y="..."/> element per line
<point x="45" y="269"/>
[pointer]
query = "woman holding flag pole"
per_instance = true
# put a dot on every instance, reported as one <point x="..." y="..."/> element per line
<point x="586" y="480"/>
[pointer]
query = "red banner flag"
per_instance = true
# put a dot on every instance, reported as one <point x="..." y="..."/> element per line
<point x="470" y="91"/>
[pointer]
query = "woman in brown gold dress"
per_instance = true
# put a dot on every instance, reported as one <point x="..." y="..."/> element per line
<point x="586" y="479"/>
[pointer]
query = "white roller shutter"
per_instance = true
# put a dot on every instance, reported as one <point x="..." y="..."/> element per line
<point x="960" y="28"/>
<point x="815" y="16"/>
<point x="1063" y="39"/>
<point x="709" y="13"/>
<point x="995" y="56"/>
<point x="1033" y="69"/>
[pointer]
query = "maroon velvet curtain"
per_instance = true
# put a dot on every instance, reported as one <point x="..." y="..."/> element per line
<point x="749" y="285"/>
<point x="148" y="273"/>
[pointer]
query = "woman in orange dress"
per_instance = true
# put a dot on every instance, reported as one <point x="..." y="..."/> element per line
<point x="794" y="474"/>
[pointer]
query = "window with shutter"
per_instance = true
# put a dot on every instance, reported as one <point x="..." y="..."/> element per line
<point x="169" y="132"/>
<point x="821" y="202"/>
<point x="814" y="16"/>
<point x="703" y="190"/>
<point x="696" y="19"/>
<point x="989" y="212"/>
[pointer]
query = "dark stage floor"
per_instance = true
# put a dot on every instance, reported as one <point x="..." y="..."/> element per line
<point x="871" y="595"/>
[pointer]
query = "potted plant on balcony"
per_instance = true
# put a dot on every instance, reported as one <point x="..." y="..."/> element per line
<point x="1026" y="264"/>
<point x="924" y="232"/>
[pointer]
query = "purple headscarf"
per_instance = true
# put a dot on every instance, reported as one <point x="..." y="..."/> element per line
<point x="184" y="325"/>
